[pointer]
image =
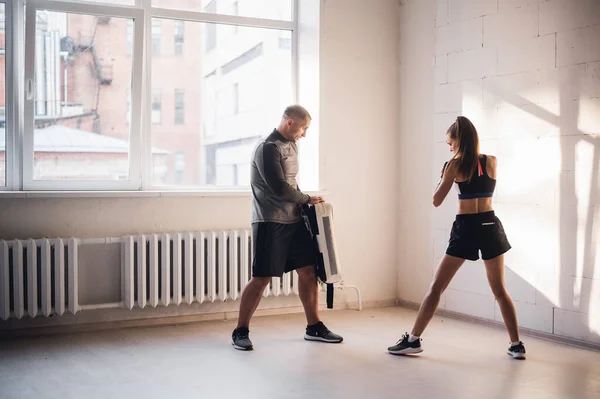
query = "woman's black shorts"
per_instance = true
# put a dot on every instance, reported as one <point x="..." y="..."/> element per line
<point x="474" y="232"/>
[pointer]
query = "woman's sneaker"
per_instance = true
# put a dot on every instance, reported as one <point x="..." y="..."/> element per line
<point x="517" y="351"/>
<point x="240" y="339"/>
<point x="403" y="347"/>
<point x="318" y="332"/>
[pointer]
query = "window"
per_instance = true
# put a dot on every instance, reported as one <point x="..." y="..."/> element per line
<point x="226" y="175"/>
<point x="235" y="10"/>
<point x="179" y="37"/>
<point x="242" y="174"/>
<point x="77" y="135"/>
<point x="228" y="101"/>
<point x="156" y="37"/>
<point x="234" y="111"/>
<point x="179" y="106"/>
<point x="210" y="30"/>
<point x="88" y="92"/>
<point x="285" y="40"/>
<point x="156" y="106"/>
<point x="128" y="109"/>
<point x="129" y="38"/>
<point x="236" y="98"/>
<point x="232" y="168"/>
<point x="179" y="167"/>
<point x="242" y="59"/>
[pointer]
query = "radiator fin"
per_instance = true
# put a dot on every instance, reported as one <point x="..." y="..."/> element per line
<point x="175" y="268"/>
<point x="38" y="277"/>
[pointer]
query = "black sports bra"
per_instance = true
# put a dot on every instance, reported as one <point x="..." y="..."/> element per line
<point x="480" y="185"/>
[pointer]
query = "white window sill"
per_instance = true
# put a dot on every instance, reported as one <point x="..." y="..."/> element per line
<point x="134" y="194"/>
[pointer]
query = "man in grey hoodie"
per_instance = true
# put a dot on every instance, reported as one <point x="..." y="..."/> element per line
<point x="282" y="242"/>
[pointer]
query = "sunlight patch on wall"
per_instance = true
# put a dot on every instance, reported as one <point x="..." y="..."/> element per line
<point x="594" y="311"/>
<point x="528" y="171"/>
<point x="584" y="158"/>
<point x="589" y="116"/>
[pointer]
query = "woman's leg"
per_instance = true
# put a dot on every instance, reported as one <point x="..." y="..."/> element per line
<point x="495" y="274"/>
<point x="448" y="267"/>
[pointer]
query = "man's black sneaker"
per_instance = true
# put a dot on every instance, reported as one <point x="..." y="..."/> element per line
<point x="318" y="332"/>
<point x="240" y="339"/>
<point x="403" y="347"/>
<point x="517" y="351"/>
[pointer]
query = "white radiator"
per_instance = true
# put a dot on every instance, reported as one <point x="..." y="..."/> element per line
<point x="38" y="277"/>
<point x="168" y="269"/>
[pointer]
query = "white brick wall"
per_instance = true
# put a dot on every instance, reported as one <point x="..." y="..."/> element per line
<point x="577" y="293"/>
<point x="472" y="64"/>
<point x="452" y="97"/>
<point x="565" y="15"/>
<point x="441" y="69"/>
<point x="518" y="287"/>
<point x="590" y="81"/>
<point x="524" y="122"/>
<point x="510" y="25"/>
<point x="536" y="317"/>
<point x="441" y="124"/>
<point x="459" y="36"/>
<point x="527" y="73"/>
<point x="470" y="303"/>
<point x="441" y="12"/>
<point x="511" y="90"/>
<point x="528" y="54"/>
<point x="471" y="277"/>
<point x="575" y="325"/>
<point x="509" y="4"/>
<point x="569" y="83"/>
<point x="589" y="115"/>
<point x="578" y="46"/>
<point x="460" y="10"/>
<point x="547" y="86"/>
<point x="546" y="299"/>
<point x="442" y="154"/>
<point x="531" y="230"/>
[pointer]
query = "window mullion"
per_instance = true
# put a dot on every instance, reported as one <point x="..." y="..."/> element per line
<point x="196" y="16"/>
<point x="145" y="98"/>
<point x="136" y="140"/>
<point x="12" y="98"/>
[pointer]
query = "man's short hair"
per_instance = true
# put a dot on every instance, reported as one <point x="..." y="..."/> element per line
<point x="296" y="112"/>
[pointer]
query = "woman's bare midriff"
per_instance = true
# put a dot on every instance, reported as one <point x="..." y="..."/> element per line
<point x="475" y="205"/>
<point x="478" y="205"/>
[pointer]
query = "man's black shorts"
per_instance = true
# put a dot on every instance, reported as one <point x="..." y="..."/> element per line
<point x="280" y="248"/>
<point x="474" y="232"/>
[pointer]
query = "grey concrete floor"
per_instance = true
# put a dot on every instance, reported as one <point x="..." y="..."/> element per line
<point x="461" y="360"/>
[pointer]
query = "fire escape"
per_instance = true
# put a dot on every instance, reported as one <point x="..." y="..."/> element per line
<point x="102" y="71"/>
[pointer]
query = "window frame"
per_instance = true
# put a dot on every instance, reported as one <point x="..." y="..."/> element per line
<point x="179" y="107"/>
<point x="128" y="105"/>
<point x="129" y="39"/>
<point x="156" y="37"/>
<point x="133" y="182"/>
<point x="157" y="93"/>
<point x="203" y="17"/>
<point x="11" y="100"/>
<point x="179" y="38"/>
<point x="20" y="149"/>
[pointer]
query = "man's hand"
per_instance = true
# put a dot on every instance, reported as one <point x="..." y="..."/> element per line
<point x="316" y="200"/>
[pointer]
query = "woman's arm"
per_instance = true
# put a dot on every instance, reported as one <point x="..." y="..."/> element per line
<point x="445" y="184"/>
